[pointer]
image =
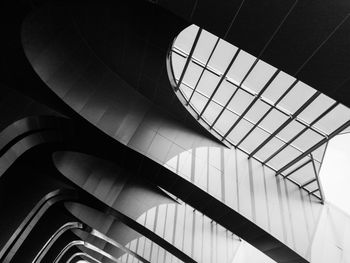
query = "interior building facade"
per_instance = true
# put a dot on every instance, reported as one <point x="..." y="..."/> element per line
<point x="172" y="131"/>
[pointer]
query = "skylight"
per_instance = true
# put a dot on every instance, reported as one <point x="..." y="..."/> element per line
<point x="249" y="104"/>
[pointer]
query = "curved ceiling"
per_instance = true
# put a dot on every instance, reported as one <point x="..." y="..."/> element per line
<point x="106" y="84"/>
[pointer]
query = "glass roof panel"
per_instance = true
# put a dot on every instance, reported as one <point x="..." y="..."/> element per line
<point x="178" y="64"/>
<point x="222" y="56"/>
<point x="212" y="112"/>
<point x="224" y="92"/>
<point x="192" y="74"/>
<point x="304" y="174"/>
<point x="186" y="91"/>
<point x="240" y="67"/>
<point x="240" y="101"/>
<point x="278" y="87"/>
<point x="308" y="139"/>
<point x="282" y="158"/>
<point x="225" y="121"/>
<point x="257" y="111"/>
<point x="312" y="186"/>
<point x="273" y="145"/>
<point x="253" y="140"/>
<point x="290" y="130"/>
<point x="206" y="43"/>
<point x="315" y="108"/>
<point x="207" y="83"/>
<point x="274" y="120"/>
<point x="296" y="97"/>
<point x="256" y="133"/>
<point x="259" y="76"/>
<point x="239" y="131"/>
<point x="299" y="163"/>
<point x="334" y="119"/>
<point x="186" y="38"/>
<point x="198" y="101"/>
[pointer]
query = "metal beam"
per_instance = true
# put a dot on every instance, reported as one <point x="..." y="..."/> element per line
<point x="234" y="93"/>
<point x="272" y="105"/>
<point x="293" y="116"/>
<point x="220" y="81"/>
<point x="317" y="179"/>
<point x="308" y="182"/>
<point x="203" y="69"/>
<point x="301" y="132"/>
<point x="267" y="113"/>
<point x="296" y="169"/>
<point x="252" y="103"/>
<point x="188" y="58"/>
<point x="311" y="149"/>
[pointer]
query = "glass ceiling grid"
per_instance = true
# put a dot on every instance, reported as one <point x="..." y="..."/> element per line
<point x="249" y="104"/>
<point x="301" y="132"/>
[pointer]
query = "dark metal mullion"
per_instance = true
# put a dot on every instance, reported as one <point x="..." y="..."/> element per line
<point x="309" y="182"/>
<point x="204" y="68"/>
<point x="301" y="132"/>
<point x="273" y="106"/>
<point x="311" y="149"/>
<point x="234" y="93"/>
<point x="296" y="169"/>
<point x="292" y="117"/>
<point x="188" y="59"/>
<point x="267" y="113"/>
<point x="257" y="96"/>
<point x="220" y="81"/>
<point x="317" y="178"/>
<point x="314" y="191"/>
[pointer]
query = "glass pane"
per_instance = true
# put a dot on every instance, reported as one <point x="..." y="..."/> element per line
<point x="334" y="119"/>
<point x="257" y="111"/>
<point x="273" y="145"/>
<point x="222" y="56"/>
<point x="273" y="120"/>
<point x="296" y="97"/>
<point x="205" y="45"/>
<point x="278" y="86"/>
<point x="285" y="156"/>
<point x="240" y="101"/>
<point x="224" y="92"/>
<point x="239" y="131"/>
<point x="253" y="140"/>
<point x="207" y="83"/>
<point x="178" y="65"/>
<point x="259" y="76"/>
<point x="304" y="174"/>
<point x="240" y="67"/>
<point x="212" y="112"/>
<point x="186" y="91"/>
<point x="308" y="139"/>
<point x="311" y="187"/>
<point x="292" y="129"/>
<point x="319" y="105"/>
<point x="198" y="101"/>
<point x="225" y="121"/>
<point x="287" y="171"/>
<point x="257" y="133"/>
<point x="185" y="39"/>
<point x="192" y="74"/>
